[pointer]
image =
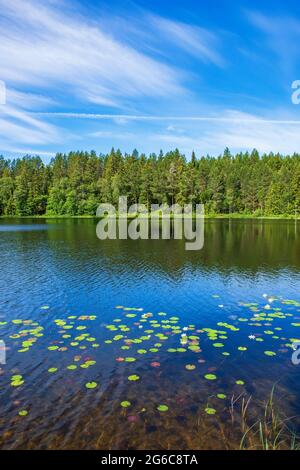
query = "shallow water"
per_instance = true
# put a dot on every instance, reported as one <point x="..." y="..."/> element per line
<point x="59" y="289"/>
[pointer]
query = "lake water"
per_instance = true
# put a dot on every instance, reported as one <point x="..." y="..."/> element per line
<point x="126" y="344"/>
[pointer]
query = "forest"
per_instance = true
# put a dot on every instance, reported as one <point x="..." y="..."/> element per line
<point x="74" y="184"/>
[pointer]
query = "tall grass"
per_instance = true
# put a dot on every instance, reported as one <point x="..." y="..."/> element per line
<point x="270" y="430"/>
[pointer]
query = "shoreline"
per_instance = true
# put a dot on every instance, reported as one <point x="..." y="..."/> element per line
<point x="206" y="216"/>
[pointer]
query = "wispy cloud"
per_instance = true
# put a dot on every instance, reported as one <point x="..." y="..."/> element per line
<point x="282" y="36"/>
<point x="18" y="126"/>
<point x="233" y="116"/>
<point x="66" y="50"/>
<point x="238" y="131"/>
<point x="194" y="40"/>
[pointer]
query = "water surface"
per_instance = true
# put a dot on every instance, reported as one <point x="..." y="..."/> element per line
<point x="59" y="289"/>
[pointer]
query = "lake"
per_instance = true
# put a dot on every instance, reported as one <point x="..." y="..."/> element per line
<point x="123" y="344"/>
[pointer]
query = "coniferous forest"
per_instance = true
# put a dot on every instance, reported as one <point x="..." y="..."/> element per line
<point x="75" y="183"/>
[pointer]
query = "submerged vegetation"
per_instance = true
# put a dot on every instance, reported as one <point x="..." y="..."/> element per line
<point x="156" y="349"/>
<point x="74" y="184"/>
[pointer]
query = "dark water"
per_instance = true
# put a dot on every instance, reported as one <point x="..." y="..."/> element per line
<point x="59" y="288"/>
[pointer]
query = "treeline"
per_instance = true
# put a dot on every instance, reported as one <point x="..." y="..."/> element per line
<point x="74" y="184"/>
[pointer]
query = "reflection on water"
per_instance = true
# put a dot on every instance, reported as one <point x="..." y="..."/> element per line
<point x="59" y="289"/>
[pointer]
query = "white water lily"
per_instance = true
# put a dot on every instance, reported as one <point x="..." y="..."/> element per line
<point x="183" y="339"/>
<point x="251" y="336"/>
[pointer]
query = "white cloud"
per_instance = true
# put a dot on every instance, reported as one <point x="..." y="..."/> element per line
<point x="238" y="131"/>
<point x="43" y="46"/>
<point x="18" y="126"/>
<point x="194" y="40"/>
<point x="282" y="36"/>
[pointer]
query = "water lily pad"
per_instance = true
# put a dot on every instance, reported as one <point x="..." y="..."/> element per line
<point x="133" y="378"/>
<point x="210" y="376"/>
<point x="17" y="383"/>
<point x="91" y="385"/>
<point x="269" y="353"/>
<point x="162" y="408"/>
<point x="125" y="404"/>
<point x="210" y="411"/>
<point x="52" y="370"/>
<point x="23" y="413"/>
<point x="221" y="396"/>
<point x="190" y="367"/>
<point x="240" y="382"/>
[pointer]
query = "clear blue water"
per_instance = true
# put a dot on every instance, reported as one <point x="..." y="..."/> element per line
<point x="57" y="276"/>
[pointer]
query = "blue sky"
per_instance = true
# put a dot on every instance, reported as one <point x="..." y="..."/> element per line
<point x="149" y="75"/>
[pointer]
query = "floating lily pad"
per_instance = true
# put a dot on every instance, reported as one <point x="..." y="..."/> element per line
<point x="221" y="396"/>
<point x="240" y="382"/>
<point x="269" y="353"/>
<point x="125" y="404"/>
<point x="210" y="376"/>
<point x="190" y="367"/>
<point x="162" y="408"/>
<point x="133" y="378"/>
<point x="91" y="385"/>
<point x="210" y="411"/>
<point x="23" y="413"/>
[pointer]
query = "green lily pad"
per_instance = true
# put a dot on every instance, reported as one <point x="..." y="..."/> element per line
<point x="162" y="408"/>
<point x="269" y="353"/>
<point x="125" y="404"/>
<point x="23" y="413"/>
<point x="91" y="385"/>
<point x="133" y="378"/>
<point x="240" y="382"/>
<point x="17" y="383"/>
<point x="221" y="396"/>
<point x="210" y="376"/>
<point x="210" y="411"/>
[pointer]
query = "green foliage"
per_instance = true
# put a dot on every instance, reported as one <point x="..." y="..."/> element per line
<point x="76" y="183"/>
